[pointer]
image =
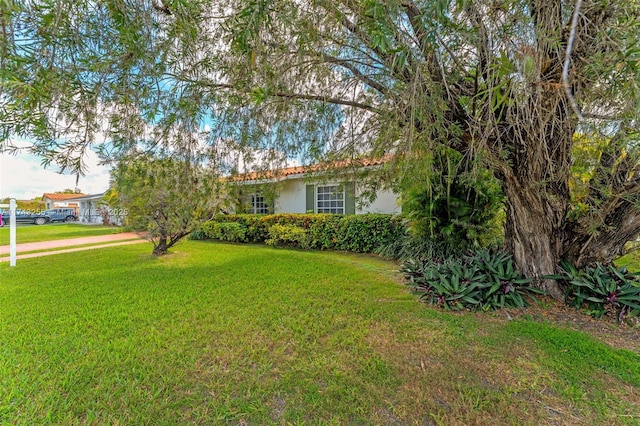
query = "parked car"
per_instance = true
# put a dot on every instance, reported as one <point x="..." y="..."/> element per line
<point x="61" y="215"/>
<point x="26" y="216"/>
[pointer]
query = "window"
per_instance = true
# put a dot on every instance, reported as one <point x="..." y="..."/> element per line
<point x="330" y="199"/>
<point x="258" y="204"/>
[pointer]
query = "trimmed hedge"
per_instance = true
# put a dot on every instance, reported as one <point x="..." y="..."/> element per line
<point x="288" y="235"/>
<point x="358" y="233"/>
<point x="225" y="231"/>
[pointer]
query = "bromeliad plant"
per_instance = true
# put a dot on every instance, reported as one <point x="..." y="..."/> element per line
<point x="602" y="289"/>
<point x="451" y="285"/>
<point x="485" y="280"/>
<point x="505" y="287"/>
<point x="420" y="275"/>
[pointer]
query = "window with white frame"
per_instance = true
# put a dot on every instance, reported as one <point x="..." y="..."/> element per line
<point x="258" y="204"/>
<point x="330" y="199"/>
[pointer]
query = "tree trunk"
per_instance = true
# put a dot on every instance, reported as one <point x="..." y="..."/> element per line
<point x="161" y="247"/>
<point x="166" y="241"/>
<point x="533" y="233"/>
<point x="607" y="243"/>
<point x="536" y="177"/>
<point x="613" y="218"/>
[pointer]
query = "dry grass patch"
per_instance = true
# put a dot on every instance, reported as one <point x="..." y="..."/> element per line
<point x="456" y="378"/>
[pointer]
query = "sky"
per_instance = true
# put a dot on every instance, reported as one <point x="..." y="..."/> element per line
<point x="23" y="177"/>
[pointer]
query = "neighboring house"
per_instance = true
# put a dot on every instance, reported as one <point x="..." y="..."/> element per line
<point x="93" y="209"/>
<point x="308" y="190"/>
<point x="89" y="205"/>
<point x="54" y="201"/>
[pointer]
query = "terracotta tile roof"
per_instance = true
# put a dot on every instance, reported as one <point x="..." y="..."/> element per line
<point x="60" y="197"/>
<point x="299" y="170"/>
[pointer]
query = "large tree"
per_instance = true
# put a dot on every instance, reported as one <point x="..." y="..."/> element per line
<point x="509" y="83"/>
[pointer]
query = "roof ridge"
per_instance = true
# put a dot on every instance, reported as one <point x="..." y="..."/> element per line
<point x="53" y="195"/>
<point x="317" y="167"/>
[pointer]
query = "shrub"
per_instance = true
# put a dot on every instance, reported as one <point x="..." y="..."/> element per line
<point x="198" y="234"/>
<point x="295" y="219"/>
<point x="485" y="280"/>
<point x="234" y="232"/>
<point x="365" y="233"/>
<point x="452" y="201"/>
<point x="359" y="233"/>
<point x="287" y="235"/>
<point x="602" y="289"/>
<point x="407" y="245"/>
<point x="255" y="229"/>
<point x="323" y="231"/>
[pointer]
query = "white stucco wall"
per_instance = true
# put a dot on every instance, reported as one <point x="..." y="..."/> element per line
<point x="386" y="202"/>
<point x="293" y="199"/>
<point x="89" y="212"/>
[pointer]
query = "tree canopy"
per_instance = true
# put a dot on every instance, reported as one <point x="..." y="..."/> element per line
<point x="166" y="197"/>
<point x="508" y="84"/>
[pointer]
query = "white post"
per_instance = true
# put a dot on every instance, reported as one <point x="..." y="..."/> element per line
<point x="12" y="232"/>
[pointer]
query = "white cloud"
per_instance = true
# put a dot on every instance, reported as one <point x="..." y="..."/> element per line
<point x="23" y="177"/>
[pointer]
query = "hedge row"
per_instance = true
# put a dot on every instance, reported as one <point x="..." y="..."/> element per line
<point x="358" y="233"/>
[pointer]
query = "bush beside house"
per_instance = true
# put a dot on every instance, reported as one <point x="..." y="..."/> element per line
<point x="358" y="233"/>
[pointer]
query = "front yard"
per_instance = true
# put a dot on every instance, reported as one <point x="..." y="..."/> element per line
<point x="247" y="334"/>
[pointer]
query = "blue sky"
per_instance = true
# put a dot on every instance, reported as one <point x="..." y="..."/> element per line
<point x="24" y="178"/>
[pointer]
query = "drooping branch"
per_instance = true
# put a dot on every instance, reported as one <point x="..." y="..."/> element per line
<point x="415" y="20"/>
<point x="348" y="64"/>
<point x="402" y="73"/>
<point x="283" y="95"/>
<point x="567" y="61"/>
<point x="415" y="17"/>
<point x="327" y="99"/>
<point x="483" y="44"/>
<point x="162" y="7"/>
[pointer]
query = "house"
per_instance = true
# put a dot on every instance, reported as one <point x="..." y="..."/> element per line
<point x="94" y="209"/>
<point x="54" y="201"/>
<point x="89" y="208"/>
<point x="312" y="190"/>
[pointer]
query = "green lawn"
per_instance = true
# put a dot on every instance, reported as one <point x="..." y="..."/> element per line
<point x="55" y="231"/>
<point x="245" y="334"/>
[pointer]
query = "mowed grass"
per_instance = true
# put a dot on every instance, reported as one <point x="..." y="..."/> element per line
<point x="54" y="231"/>
<point x="241" y="334"/>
